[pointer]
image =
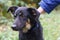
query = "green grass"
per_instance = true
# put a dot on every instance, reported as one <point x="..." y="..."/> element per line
<point x="7" y="33"/>
<point x="50" y="24"/>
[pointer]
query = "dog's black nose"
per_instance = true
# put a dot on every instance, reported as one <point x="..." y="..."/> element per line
<point x="14" y="27"/>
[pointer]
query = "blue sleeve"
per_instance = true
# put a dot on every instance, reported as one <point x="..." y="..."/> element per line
<point x="49" y="5"/>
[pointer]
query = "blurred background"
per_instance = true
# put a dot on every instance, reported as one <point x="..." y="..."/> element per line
<point x="50" y="22"/>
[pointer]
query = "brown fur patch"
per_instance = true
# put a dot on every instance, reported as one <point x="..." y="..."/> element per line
<point x="27" y="27"/>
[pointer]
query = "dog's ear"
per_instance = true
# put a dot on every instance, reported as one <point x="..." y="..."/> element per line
<point x="34" y="12"/>
<point x="12" y="9"/>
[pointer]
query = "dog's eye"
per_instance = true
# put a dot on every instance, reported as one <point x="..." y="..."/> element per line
<point x="21" y="14"/>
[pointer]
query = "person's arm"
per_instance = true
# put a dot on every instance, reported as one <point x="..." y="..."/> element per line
<point x="47" y="5"/>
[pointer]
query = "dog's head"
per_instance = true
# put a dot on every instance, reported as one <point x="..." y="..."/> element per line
<point x="24" y="18"/>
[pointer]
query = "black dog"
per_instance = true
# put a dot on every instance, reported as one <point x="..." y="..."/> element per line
<point x="27" y="23"/>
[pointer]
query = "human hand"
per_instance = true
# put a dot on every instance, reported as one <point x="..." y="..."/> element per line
<point x="41" y="10"/>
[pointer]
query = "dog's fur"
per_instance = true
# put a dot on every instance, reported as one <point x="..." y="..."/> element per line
<point x="27" y="23"/>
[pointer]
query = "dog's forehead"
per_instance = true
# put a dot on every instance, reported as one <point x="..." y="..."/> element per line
<point x="23" y="9"/>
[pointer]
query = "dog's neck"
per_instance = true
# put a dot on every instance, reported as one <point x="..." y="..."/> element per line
<point x="34" y="24"/>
